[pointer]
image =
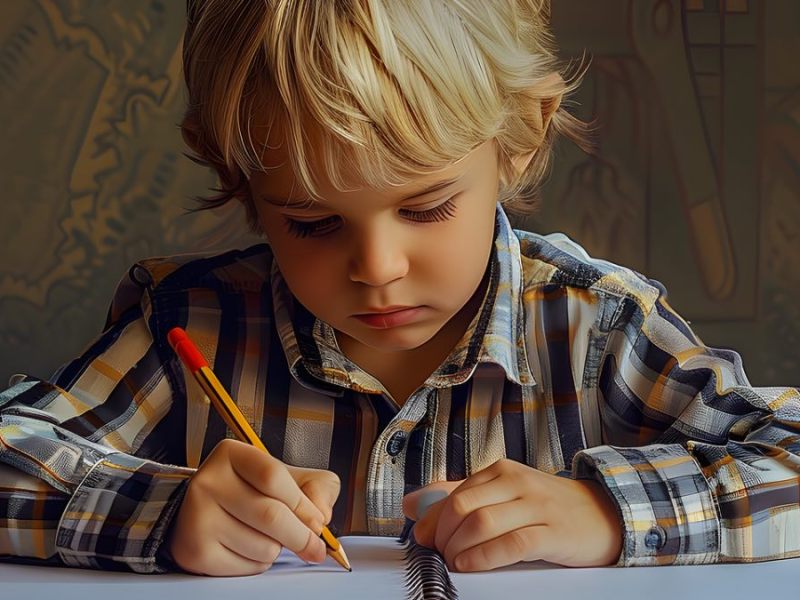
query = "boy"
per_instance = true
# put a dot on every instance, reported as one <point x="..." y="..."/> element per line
<point x="395" y="335"/>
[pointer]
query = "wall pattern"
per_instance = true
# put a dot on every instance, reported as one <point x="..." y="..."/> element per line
<point x="696" y="181"/>
<point x="696" y="178"/>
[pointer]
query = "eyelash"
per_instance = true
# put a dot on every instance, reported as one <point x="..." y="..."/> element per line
<point x="302" y="229"/>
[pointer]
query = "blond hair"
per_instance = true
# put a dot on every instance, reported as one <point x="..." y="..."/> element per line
<point x="395" y="87"/>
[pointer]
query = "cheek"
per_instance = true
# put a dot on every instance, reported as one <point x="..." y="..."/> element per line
<point x="310" y="275"/>
<point x="456" y="256"/>
<point x="307" y="271"/>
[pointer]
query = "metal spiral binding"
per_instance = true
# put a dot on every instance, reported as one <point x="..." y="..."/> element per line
<point x="427" y="577"/>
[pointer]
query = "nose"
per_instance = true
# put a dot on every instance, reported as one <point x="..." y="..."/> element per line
<point x="378" y="257"/>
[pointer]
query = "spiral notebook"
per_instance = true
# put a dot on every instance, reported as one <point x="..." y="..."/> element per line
<point x="386" y="567"/>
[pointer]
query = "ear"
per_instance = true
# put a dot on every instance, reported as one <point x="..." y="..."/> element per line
<point x="555" y="86"/>
<point x="552" y="86"/>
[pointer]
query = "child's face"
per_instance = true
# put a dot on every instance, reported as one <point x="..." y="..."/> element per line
<point x="368" y="253"/>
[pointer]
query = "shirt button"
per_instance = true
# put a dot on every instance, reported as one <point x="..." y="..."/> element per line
<point x="396" y="443"/>
<point x="141" y="275"/>
<point x="655" y="538"/>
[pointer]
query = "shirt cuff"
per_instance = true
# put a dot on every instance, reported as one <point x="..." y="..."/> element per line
<point x="667" y="509"/>
<point x="118" y="516"/>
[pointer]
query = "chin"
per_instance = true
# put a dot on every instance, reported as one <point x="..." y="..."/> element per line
<point x="396" y="339"/>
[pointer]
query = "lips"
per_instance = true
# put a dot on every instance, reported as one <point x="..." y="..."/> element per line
<point x="383" y="311"/>
<point x="394" y="318"/>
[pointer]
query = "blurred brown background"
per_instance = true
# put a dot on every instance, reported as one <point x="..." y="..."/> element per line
<point x="696" y="183"/>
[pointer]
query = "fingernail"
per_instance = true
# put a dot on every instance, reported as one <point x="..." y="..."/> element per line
<point x="426" y="499"/>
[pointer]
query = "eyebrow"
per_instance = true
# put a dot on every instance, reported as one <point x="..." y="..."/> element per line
<point x="308" y="202"/>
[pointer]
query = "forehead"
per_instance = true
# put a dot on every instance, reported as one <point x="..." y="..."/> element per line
<point x="280" y="187"/>
<point x="279" y="181"/>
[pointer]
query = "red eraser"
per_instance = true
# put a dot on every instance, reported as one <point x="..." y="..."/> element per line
<point x="185" y="349"/>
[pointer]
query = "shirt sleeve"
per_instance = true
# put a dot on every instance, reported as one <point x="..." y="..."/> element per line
<point x="703" y="467"/>
<point x="85" y="479"/>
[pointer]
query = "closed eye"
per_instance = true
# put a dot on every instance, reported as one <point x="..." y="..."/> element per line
<point x="322" y="227"/>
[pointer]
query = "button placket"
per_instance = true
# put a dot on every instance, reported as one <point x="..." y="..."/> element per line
<point x="386" y="473"/>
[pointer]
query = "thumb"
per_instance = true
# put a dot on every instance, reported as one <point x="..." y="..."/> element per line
<point x="417" y="502"/>
<point x="322" y="488"/>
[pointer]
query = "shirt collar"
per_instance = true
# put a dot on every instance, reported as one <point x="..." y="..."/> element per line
<point x="495" y="334"/>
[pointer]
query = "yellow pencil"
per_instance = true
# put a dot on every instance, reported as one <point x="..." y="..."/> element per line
<point x="233" y="417"/>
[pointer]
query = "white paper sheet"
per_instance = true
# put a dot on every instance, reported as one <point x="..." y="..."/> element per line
<point x="379" y="573"/>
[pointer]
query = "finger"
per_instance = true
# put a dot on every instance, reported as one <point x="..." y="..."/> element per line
<point x="466" y="500"/>
<point x="216" y="560"/>
<point x="488" y="523"/>
<point x="428" y="499"/>
<point x="487" y="474"/>
<point x="525" y="544"/>
<point x="411" y="501"/>
<point x="273" y="518"/>
<point x="246" y="541"/>
<point x="322" y="492"/>
<point x="425" y="528"/>
<point x="270" y="476"/>
<point x="228" y="563"/>
<point x="503" y="467"/>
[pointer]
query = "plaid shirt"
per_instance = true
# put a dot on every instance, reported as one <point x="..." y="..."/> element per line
<point x="572" y="365"/>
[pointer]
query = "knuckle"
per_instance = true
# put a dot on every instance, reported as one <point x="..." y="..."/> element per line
<point x="333" y="480"/>
<point x="504" y="466"/>
<point x="460" y="504"/>
<point x="268" y="470"/>
<point x="482" y="522"/>
<point x="271" y="514"/>
<point x="264" y="482"/>
<point x="225" y="446"/>
<point x="199" y="485"/>
<point x="221" y="456"/>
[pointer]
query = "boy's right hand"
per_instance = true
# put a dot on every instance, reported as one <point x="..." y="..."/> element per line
<point x="243" y="505"/>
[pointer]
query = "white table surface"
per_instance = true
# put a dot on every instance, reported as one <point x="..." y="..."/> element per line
<point x="376" y="578"/>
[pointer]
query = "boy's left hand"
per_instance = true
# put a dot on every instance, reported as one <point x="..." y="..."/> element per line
<point x="510" y="512"/>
